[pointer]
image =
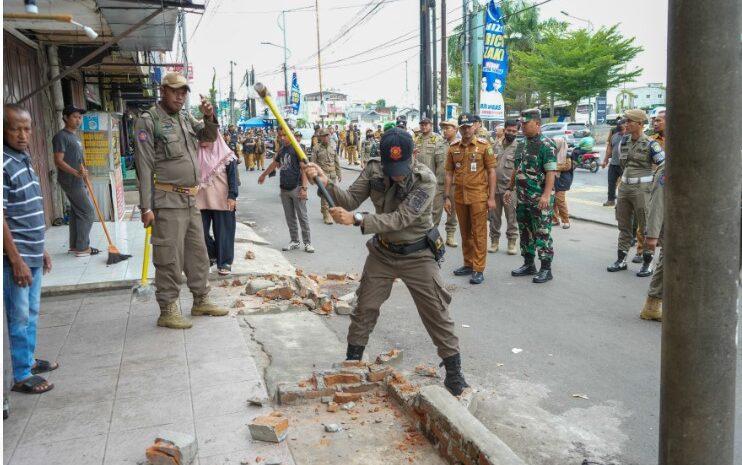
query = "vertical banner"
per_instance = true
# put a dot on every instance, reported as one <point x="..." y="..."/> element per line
<point x="295" y="97"/>
<point x="494" y="66"/>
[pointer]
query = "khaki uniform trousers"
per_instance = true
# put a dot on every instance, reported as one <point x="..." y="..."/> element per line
<point x="473" y="226"/>
<point x="560" y="208"/>
<point x="655" y="286"/>
<point x="324" y="206"/>
<point x="422" y="276"/>
<point x="260" y="160"/>
<point x="495" y="218"/>
<point x="176" y="230"/>
<point x="249" y="161"/>
<point x="352" y="154"/>
<point x="631" y="204"/>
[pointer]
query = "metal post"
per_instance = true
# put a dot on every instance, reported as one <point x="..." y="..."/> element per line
<point x="465" y="60"/>
<point x="433" y="68"/>
<point x="319" y="67"/>
<point x="184" y="43"/>
<point x="285" y="66"/>
<point x="231" y="91"/>
<point x="699" y="350"/>
<point x="444" y="62"/>
<point x="425" y="69"/>
<point x="473" y="49"/>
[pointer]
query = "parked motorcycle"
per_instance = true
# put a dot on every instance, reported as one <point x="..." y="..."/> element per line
<point x="586" y="160"/>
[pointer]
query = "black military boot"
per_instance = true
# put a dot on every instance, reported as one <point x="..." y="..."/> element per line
<point x="545" y="273"/>
<point x="646" y="269"/>
<point x="527" y="269"/>
<point x="354" y="352"/>
<point x="620" y="264"/>
<point x="454" y="382"/>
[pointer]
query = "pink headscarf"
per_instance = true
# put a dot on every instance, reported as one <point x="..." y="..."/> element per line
<point x="213" y="157"/>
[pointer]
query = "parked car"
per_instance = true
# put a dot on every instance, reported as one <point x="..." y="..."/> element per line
<point x="571" y="132"/>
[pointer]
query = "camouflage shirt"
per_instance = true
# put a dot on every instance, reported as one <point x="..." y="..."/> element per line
<point x="533" y="158"/>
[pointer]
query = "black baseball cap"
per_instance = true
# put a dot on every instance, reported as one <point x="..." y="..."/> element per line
<point x="396" y="151"/>
<point x="476" y="118"/>
<point x="426" y="120"/>
<point x="466" y="119"/>
<point x="69" y="109"/>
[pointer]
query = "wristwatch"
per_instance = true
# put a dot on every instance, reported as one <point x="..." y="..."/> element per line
<point x="357" y="219"/>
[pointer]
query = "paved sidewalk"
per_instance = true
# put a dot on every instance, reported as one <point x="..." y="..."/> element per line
<point x="122" y="380"/>
<point x="76" y="274"/>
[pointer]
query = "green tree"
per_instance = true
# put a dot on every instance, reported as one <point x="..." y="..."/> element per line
<point x="381" y="103"/>
<point x="571" y="66"/>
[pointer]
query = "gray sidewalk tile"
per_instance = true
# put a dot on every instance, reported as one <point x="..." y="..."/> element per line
<point x="54" y="319"/>
<point x="88" y="365"/>
<point x="153" y="361"/>
<point x="60" y="304"/>
<point x="127" y="447"/>
<point x="79" y="421"/>
<point x="81" y="451"/>
<point x="49" y="342"/>
<point x="145" y="309"/>
<point x="140" y="384"/>
<point x="72" y="391"/>
<point x="227" y="398"/>
<point x="171" y="406"/>
<point x="21" y="408"/>
<point x="95" y="337"/>
<point x="205" y="374"/>
<point x="89" y="313"/>
<point x="278" y="451"/>
<point x="224" y="434"/>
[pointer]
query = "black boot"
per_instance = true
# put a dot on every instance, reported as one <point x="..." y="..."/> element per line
<point x="527" y="269"/>
<point x="454" y="382"/>
<point x="545" y="273"/>
<point x="620" y="264"/>
<point x="354" y="352"/>
<point x="646" y="269"/>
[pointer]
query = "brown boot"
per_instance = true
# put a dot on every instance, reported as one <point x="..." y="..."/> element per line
<point x="512" y="247"/>
<point x="451" y="240"/>
<point x="494" y="246"/>
<point x="652" y="309"/>
<point x="170" y="317"/>
<point x="202" y="305"/>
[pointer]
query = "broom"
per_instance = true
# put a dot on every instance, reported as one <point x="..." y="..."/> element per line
<point x="114" y="256"/>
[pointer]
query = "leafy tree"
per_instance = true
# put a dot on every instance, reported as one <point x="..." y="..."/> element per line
<point x="381" y="103"/>
<point x="571" y="66"/>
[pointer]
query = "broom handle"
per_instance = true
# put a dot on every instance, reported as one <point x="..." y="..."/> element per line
<point x="97" y="209"/>
<point x="145" y="263"/>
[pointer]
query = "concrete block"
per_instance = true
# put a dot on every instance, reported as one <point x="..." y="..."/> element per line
<point x="172" y="448"/>
<point x="343" y="308"/>
<point x="483" y="445"/>
<point x="393" y="357"/>
<point x="378" y="372"/>
<point x="269" y="428"/>
<point x="255" y="285"/>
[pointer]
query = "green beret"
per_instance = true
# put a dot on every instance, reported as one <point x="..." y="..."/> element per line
<point x="531" y="114"/>
<point x="389" y="125"/>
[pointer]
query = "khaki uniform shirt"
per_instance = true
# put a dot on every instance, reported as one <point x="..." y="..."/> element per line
<point x="326" y="157"/>
<point x="172" y="158"/>
<point x="469" y="164"/>
<point x="429" y="153"/>
<point x="639" y="157"/>
<point x="656" y="207"/>
<point x="403" y="210"/>
<point x="505" y="152"/>
<point x="482" y="133"/>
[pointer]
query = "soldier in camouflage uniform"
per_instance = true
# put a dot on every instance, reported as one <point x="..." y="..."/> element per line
<point x="402" y="192"/>
<point x="325" y="155"/>
<point x="428" y="152"/>
<point x="534" y="175"/>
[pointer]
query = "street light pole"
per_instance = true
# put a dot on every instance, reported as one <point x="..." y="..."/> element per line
<point x="319" y="67"/>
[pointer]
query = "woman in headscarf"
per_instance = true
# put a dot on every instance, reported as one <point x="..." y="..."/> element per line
<point x="562" y="184"/>
<point x="217" y="200"/>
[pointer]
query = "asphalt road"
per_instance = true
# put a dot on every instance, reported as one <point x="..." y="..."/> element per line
<point x="584" y="383"/>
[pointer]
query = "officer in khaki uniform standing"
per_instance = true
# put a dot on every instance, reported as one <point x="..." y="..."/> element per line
<point x="428" y="152"/>
<point x="481" y="132"/>
<point x="505" y="152"/>
<point x="326" y="157"/>
<point x="639" y="156"/>
<point x="405" y="245"/>
<point x="166" y="151"/>
<point x="352" y="141"/>
<point x="470" y="166"/>
<point x="449" y="129"/>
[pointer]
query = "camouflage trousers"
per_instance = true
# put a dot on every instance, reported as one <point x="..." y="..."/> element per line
<point x="534" y="226"/>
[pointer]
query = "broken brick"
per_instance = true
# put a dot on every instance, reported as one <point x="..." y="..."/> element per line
<point x="269" y="428"/>
<point x="354" y="364"/>
<point x="345" y="397"/>
<point x="392" y="357"/>
<point x="250" y="255"/>
<point x="336" y="276"/>
<point x="172" y="448"/>
<point x="341" y="378"/>
<point x="333" y="407"/>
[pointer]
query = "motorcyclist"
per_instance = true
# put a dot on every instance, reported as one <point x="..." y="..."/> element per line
<point x="584" y="146"/>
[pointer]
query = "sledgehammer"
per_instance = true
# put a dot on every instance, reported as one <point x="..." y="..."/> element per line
<point x="263" y="93"/>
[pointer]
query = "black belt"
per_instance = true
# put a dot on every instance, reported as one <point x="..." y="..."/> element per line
<point x="402" y="249"/>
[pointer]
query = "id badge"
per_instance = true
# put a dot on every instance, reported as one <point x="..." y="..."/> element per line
<point x="473" y="166"/>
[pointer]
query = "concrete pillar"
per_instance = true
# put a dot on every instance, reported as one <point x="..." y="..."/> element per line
<point x="702" y="233"/>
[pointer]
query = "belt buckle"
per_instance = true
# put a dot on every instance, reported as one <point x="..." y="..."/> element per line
<point x="182" y="190"/>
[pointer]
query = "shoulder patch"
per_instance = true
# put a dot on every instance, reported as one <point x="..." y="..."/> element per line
<point x="417" y="199"/>
<point x="482" y="140"/>
<point x="142" y="135"/>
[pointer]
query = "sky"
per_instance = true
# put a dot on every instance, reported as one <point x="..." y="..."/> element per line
<point x="369" y="53"/>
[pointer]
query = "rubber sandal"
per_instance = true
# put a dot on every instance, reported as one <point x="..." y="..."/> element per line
<point x="94" y="251"/>
<point x="88" y="252"/>
<point x="224" y="271"/>
<point x="43" y="366"/>
<point x="28" y="385"/>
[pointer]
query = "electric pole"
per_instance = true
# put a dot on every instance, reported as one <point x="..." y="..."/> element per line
<point x="184" y="49"/>
<point x="434" y="71"/>
<point x="444" y="63"/>
<point x="474" y="59"/>
<point x="285" y="70"/>
<point x="425" y="67"/>
<point x="231" y="91"/>
<point x="465" y="60"/>
<point x="319" y="67"/>
<point x="701" y="275"/>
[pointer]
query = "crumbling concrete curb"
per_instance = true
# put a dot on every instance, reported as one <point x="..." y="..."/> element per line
<point x="459" y="436"/>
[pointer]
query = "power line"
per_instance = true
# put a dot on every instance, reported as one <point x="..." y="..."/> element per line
<point x="305" y="9"/>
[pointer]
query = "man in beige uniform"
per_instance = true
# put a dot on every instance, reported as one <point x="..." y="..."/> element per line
<point x="405" y="245"/>
<point x="505" y="151"/>
<point x="327" y="158"/>
<point x="166" y="151"/>
<point x="428" y="152"/>
<point x="449" y="129"/>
